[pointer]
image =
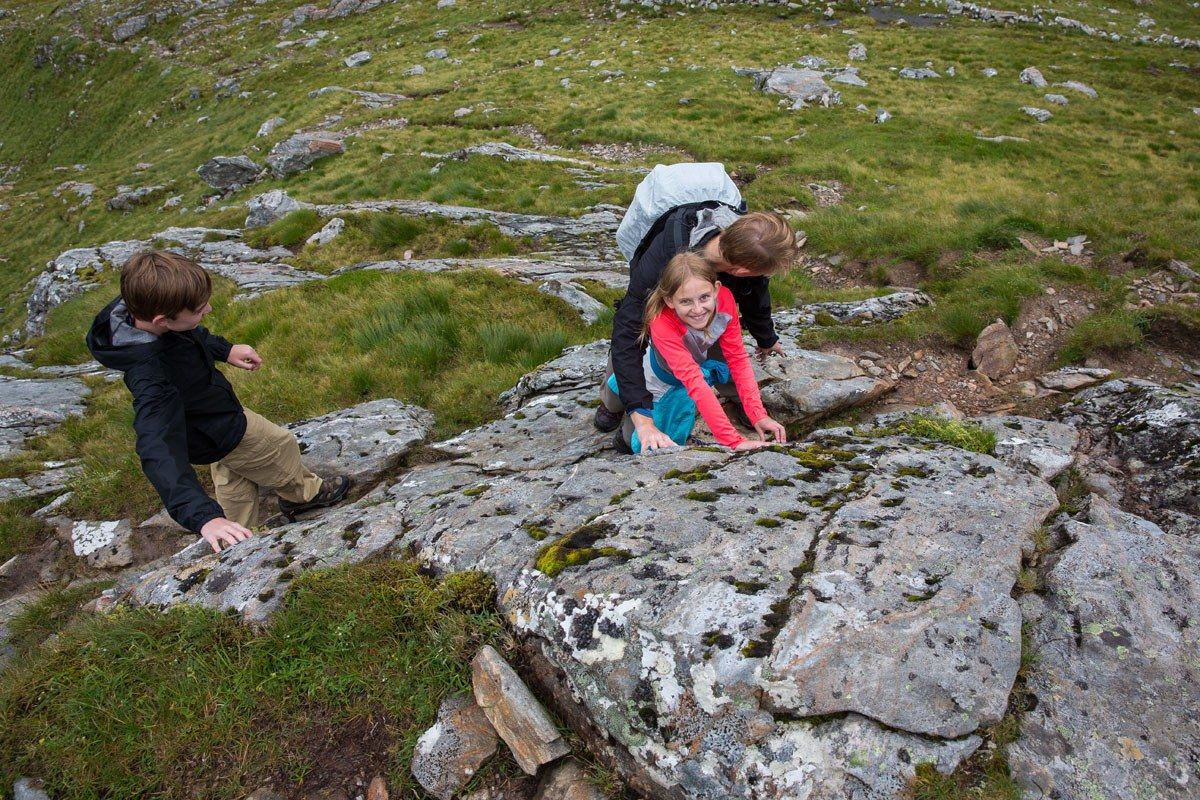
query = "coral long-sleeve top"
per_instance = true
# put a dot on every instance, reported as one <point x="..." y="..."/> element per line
<point x="682" y="349"/>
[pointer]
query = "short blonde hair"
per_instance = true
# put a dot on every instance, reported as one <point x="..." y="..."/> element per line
<point x="760" y="241"/>
<point x="157" y="282"/>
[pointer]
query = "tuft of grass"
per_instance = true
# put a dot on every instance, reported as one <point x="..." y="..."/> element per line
<point x="290" y="231"/>
<point x="49" y="614"/>
<point x="1109" y="331"/>
<point x="115" y="706"/>
<point x="966" y="435"/>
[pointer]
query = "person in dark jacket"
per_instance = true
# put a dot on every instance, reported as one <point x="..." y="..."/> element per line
<point x="744" y="248"/>
<point x="186" y="412"/>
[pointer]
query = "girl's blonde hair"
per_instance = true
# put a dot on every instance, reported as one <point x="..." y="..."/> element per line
<point x="678" y="271"/>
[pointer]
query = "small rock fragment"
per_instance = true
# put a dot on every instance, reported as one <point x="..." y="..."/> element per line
<point x="995" y="352"/>
<point x="357" y="59"/>
<point x="882" y="115"/>
<point x="268" y="127"/>
<point x="450" y="752"/>
<point x="328" y="233"/>
<point x="858" y="52"/>
<point x="918" y="74"/>
<point x="1082" y="88"/>
<point x="1033" y="76"/>
<point x="1057" y="99"/>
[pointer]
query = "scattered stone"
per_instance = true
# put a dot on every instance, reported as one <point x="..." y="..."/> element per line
<point x="989" y="72"/>
<point x="1082" y="88"/>
<point x="357" y="59"/>
<point x="438" y="53"/>
<point x="445" y="3"/>
<point x="918" y="74"/>
<point x="1183" y="270"/>
<point x="995" y="353"/>
<point x="300" y="151"/>
<point x="999" y="139"/>
<point x="858" y="52"/>
<point x="1068" y="379"/>
<point x="459" y="113"/>
<point x="29" y="788"/>
<point x="1057" y="99"/>
<point x="268" y="207"/>
<point x="568" y="781"/>
<point x="127" y="197"/>
<point x="131" y="27"/>
<point x="1033" y="76"/>
<point x="881" y="116"/>
<point x="847" y="75"/>
<point x="328" y="233"/>
<point x="574" y="295"/>
<point x="415" y="69"/>
<point x="1115" y="676"/>
<point x="1040" y="114"/>
<point x="515" y="713"/>
<point x="53" y="478"/>
<point x="268" y="127"/>
<point x="228" y="173"/>
<point x="104" y="545"/>
<point x="449" y="753"/>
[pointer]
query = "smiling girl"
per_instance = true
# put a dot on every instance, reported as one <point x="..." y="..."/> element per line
<point x="688" y="314"/>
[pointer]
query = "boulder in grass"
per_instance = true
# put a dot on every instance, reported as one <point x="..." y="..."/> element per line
<point x="1033" y="76"/>
<point x="228" y="173"/>
<point x="1040" y="114"/>
<point x="270" y="206"/>
<point x="299" y="152"/>
<point x="995" y="352"/>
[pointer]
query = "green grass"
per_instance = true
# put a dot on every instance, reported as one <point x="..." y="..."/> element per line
<point x="48" y="615"/>
<point x="290" y="231"/>
<point x="1110" y="331"/>
<point x="364" y="654"/>
<point x="966" y="435"/>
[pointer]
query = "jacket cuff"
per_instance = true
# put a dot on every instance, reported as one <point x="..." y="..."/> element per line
<point x="645" y="412"/>
<point x="768" y="343"/>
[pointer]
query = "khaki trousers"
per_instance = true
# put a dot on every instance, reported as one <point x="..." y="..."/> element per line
<point x="268" y="456"/>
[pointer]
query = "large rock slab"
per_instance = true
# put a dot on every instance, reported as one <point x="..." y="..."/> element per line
<point x="1116" y="676"/>
<point x="1041" y="447"/>
<point x="32" y="406"/>
<point x="580" y="368"/>
<point x="1146" y="439"/>
<point x="365" y="441"/>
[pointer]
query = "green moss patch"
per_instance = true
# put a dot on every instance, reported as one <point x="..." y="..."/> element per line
<point x="578" y="548"/>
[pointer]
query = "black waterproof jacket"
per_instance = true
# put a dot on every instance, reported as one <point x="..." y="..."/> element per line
<point x="185" y="411"/>
<point x="663" y="241"/>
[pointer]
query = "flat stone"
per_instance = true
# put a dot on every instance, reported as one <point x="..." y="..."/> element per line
<point x="995" y="353"/>
<point x="515" y="713"/>
<point x="805" y="386"/>
<point x="574" y="295"/>
<point x="364" y="441"/>
<point x="299" y="152"/>
<point x="330" y="231"/>
<point x="268" y="127"/>
<point x="357" y="59"/>
<point x="1057" y="99"/>
<point x="924" y="73"/>
<point x="228" y="173"/>
<point x="803" y="86"/>
<point x="1115" y="676"/>
<point x="1040" y="114"/>
<point x="1068" y="379"/>
<point x="458" y="744"/>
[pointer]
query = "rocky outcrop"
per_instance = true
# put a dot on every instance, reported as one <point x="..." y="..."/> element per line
<point x="449" y="753"/>
<point x="335" y="10"/>
<point x="270" y="206"/>
<point x="1142" y="447"/>
<point x="791" y="323"/>
<point x="802" y="85"/>
<point x="806" y="386"/>
<point x="53" y="478"/>
<point x="29" y="407"/>
<point x="128" y="197"/>
<point x="365" y="441"/>
<point x="365" y="98"/>
<point x="1115" y="678"/>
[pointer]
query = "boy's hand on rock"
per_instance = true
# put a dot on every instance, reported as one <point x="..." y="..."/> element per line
<point x="767" y="427"/>
<point x="774" y="350"/>
<point x="243" y="356"/>
<point x="219" y="530"/>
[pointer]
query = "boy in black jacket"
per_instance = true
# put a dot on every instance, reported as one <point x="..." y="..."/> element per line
<point x="185" y="411"/>
<point x="745" y="249"/>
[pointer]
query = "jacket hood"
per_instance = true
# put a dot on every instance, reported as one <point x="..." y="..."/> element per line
<point x="114" y="340"/>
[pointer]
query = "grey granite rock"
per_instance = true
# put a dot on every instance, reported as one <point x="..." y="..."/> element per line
<point x="103" y="544"/>
<point x="578" y="369"/>
<point x="268" y="127"/>
<point x="924" y="73"/>
<point x="368" y="99"/>
<point x="803" y="86"/>
<point x="1057" y="99"/>
<point x="858" y="52"/>
<point x="357" y="59"/>
<point x="270" y="206"/>
<point x="1116" y="676"/>
<point x="329" y="231"/>
<point x="53" y="478"/>
<point x="574" y="295"/>
<point x="127" y="197"/>
<point x="805" y="386"/>
<point x="1082" y="88"/>
<point x="299" y="152"/>
<point x="228" y="173"/>
<point x="1033" y="76"/>
<point x="1068" y="379"/>
<point x="1040" y="114"/>
<point x="29" y="407"/>
<point x="365" y="441"/>
<point x="130" y="27"/>
<point x="791" y="323"/>
<point x="1039" y="446"/>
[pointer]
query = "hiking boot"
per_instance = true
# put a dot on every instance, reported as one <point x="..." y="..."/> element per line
<point x="333" y="491"/>
<point x="606" y="420"/>
<point x="619" y="442"/>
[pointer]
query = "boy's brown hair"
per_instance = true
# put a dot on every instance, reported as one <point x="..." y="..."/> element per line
<point x="157" y="282"/>
<point x="761" y="241"/>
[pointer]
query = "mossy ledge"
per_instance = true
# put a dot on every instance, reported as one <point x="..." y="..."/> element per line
<point x="576" y="549"/>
